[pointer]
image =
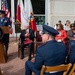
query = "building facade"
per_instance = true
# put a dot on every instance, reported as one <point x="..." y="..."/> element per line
<point x="47" y="12"/>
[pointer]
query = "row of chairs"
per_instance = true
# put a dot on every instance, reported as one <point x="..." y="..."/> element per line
<point x="68" y="69"/>
<point x="72" y="72"/>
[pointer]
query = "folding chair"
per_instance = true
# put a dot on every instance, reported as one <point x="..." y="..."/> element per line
<point x="19" y="48"/>
<point x="72" y="71"/>
<point x="58" y="68"/>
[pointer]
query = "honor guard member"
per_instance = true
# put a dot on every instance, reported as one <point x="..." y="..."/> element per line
<point x="4" y="21"/>
<point x="52" y="53"/>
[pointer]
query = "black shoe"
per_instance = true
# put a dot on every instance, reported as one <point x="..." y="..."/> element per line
<point x="22" y="57"/>
<point x="29" y="59"/>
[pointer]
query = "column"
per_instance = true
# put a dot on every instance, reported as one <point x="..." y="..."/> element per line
<point x="48" y="12"/>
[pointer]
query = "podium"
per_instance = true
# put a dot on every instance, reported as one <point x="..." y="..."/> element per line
<point x="5" y="29"/>
<point x="3" y="56"/>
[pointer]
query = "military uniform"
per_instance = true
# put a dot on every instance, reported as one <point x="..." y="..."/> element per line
<point x="4" y="21"/>
<point x="51" y="53"/>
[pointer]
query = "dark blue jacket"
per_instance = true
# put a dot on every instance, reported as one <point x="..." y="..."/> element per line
<point x="4" y="21"/>
<point x="31" y="37"/>
<point x="50" y="54"/>
<point x="72" y="51"/>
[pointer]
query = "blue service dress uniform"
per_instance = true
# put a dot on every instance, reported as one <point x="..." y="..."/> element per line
<point x="72" y="50"/>
<point x="50" y="54"/>
<point x="4" y="21"/>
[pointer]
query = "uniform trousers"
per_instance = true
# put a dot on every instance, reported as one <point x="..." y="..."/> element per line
<point x="72" y="51"/>
<point x="29" y="68"/>
<point x="5" y="41"/>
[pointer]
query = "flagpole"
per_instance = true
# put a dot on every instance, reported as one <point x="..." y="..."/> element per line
<point x="13" y="17"/>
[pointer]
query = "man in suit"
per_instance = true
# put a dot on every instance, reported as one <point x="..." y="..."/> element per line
<point x="4" y="21"/>
<point x="27" y="33"/>
<point x="52" y="53"/>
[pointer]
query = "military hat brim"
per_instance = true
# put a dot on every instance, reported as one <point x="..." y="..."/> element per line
<point x="50" y="30"/>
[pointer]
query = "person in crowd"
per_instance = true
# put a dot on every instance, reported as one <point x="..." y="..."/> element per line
<point x="67" y="25"/>
<point x="71" y="37"/>
<point x="27" y="33"/>
<point x="74" y="21"/>
<point x="4" y="21"/>
<point x="47" y="54"/>
<point x="61" y="37"/>
<point x="55" y="27"/>
<point x="59" y="22"/>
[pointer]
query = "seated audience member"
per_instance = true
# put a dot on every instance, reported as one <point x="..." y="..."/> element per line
<point x="71" y="37"/>
<point x="59" y="22"/>
<point x="55" y="27"/>
<point x="74" y="22"/>
<point x="67" y="25"/>
<point x="47" y="54"/>
<point x="61" y="37"/>
<point x="26" y="35"/>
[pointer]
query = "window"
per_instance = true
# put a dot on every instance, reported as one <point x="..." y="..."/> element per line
<point x="40" y="20"/>
<point x="38" y="6"/>
<point x="39" y="11"/>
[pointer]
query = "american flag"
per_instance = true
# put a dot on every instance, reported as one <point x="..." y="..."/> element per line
<point x="4" y="7"/>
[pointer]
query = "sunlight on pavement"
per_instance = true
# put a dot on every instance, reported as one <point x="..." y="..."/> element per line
<point x="15" y="43"/>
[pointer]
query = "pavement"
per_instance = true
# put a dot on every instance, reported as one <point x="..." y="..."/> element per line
<point x="14" y="65"/>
